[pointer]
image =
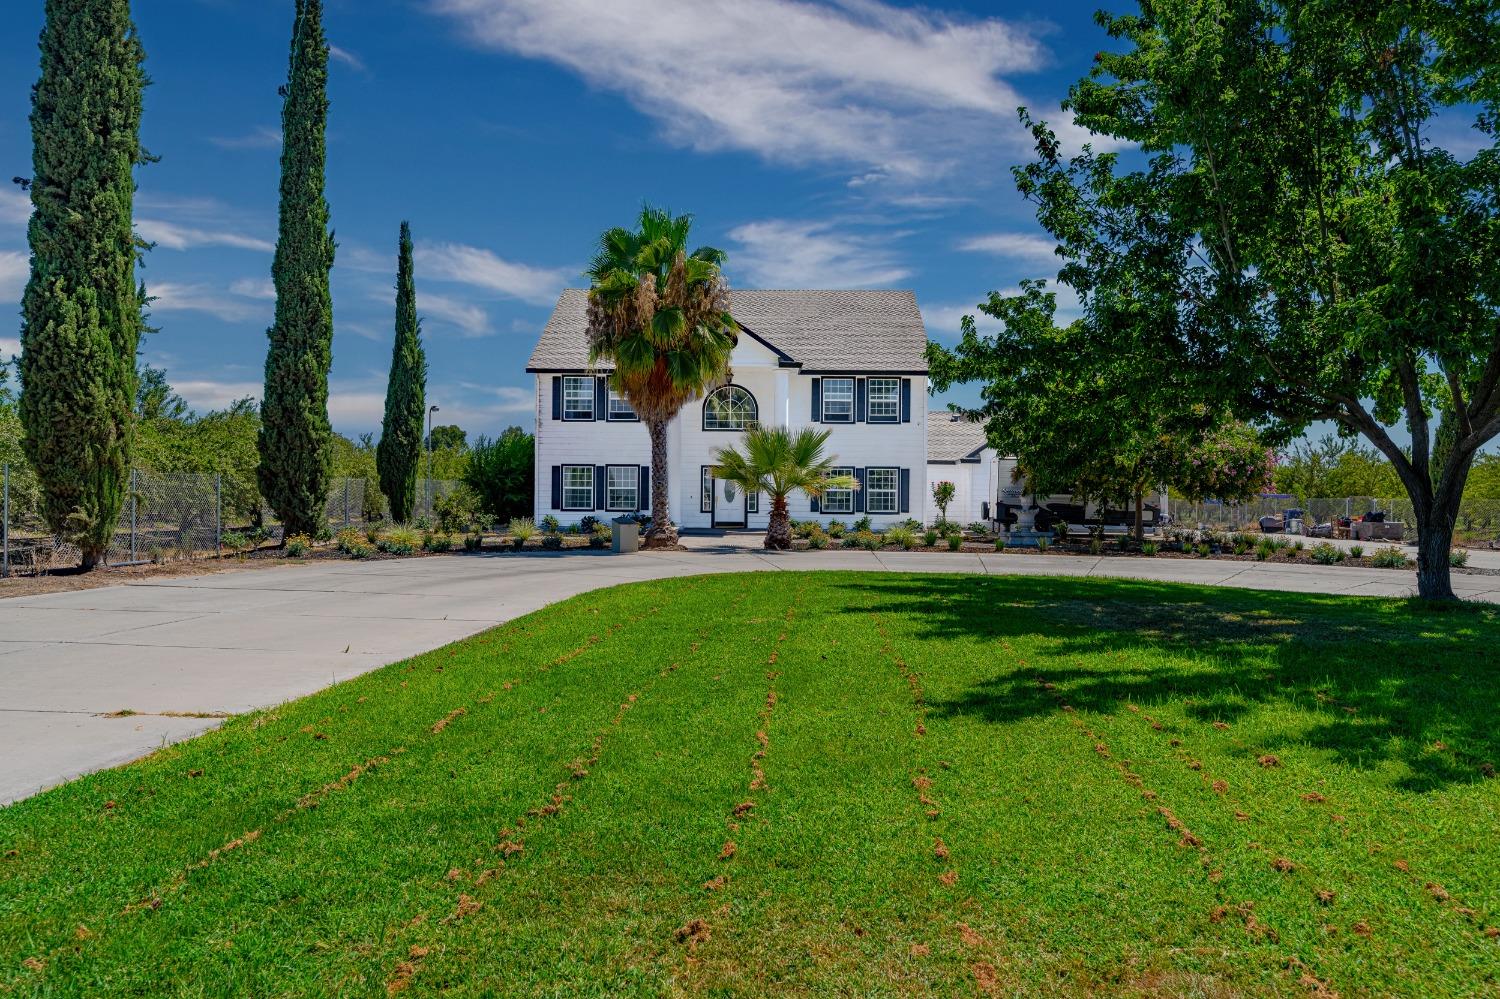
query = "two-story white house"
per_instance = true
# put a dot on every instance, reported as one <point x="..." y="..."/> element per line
<point x="851" y="361"/>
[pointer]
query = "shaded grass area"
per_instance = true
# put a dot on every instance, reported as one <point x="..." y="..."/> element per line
<point x="833" y="783"/>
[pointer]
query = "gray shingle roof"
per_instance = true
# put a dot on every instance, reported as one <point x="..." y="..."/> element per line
<point x="950" y="437"/>
<point x="818" y="330"/>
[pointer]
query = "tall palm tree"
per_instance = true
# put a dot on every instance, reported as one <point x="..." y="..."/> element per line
<point x="778" y="461"/>
<point x="660" y="316"/>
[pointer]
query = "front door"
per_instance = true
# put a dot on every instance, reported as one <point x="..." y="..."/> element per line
<point x="729" y="504"/>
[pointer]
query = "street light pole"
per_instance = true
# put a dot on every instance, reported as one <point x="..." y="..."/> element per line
<point x="430" y="411"/>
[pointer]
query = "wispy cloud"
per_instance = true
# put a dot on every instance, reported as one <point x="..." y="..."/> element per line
<point x="258" y="288"/>
<point x="471" y="320"/>
<point x="15" y="206"/>
<point x="943" y="320"/>
<point x="348" y="58"/>
<point x="1024" y="246"/>
<point x="182" y="237"/>
<point x="893" y="93"/>
<point x="779" y="253"/>
<point x="172" y="296"/>
<point x="481" y="268"/>
<point x="15" y="268"/>
<point x="8" y="348"/>
<point x="259" y="137"/>
<point x="205" y="393"/>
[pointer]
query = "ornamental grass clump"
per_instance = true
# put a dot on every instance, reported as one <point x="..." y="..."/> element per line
<point x="521" y="530"/>
<point x="903" y="536"/>
<point x="955" y="542"/>
<point x="1356" y="551"/>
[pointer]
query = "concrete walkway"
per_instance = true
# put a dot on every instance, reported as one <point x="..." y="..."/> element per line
<point x="94" y="678"/>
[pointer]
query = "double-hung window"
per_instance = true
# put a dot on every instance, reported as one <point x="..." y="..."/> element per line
<point x="578" y="397"/>
<point x="885" y="400"/>
<point x="752" y="502"/>
<point x="882" y="490"/>
<point x="838" y="400"/>
<point x="622" y="485"/>
<point x="578" y="487"/>
<point x="839" y="500"/>
<point x="620" y="408"/>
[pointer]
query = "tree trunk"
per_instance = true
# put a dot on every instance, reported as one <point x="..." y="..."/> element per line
<point x="91" y="559"/>
<point x="1434" y="541"/>
<point x="661" y="533"/>
<point x="1140" y="518"/>
<point x="779" y="534"/>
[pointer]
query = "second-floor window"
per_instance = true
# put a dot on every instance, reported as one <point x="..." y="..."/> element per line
<point x="885" y="400"/>
<point x="578" y="397"/>
<point x="620" y="407"/>
<point x="838" y="400"/>
<point x="729" y="408"/>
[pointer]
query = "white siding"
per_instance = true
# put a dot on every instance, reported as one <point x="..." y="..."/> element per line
<point x="784" y="397"/>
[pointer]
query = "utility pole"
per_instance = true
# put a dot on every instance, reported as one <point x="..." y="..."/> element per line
<point x="430" y="411"/>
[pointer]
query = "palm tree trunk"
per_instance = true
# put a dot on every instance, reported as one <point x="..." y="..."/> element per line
<point x="779" y="533"/>
<point x="661" y="533"/>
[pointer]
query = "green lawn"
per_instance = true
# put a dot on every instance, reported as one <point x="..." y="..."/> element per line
<point x="819" y="783"/>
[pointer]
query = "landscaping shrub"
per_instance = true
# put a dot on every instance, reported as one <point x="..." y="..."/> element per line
<point x="359" y="550"/>
<point x="1096" y="545"/>
<point x="818" y="539"/>
<point x="850" y="540"/>
<point x="552" y="542"/>
<point x="1241" y="544"/>
<point x="902" y="536"/>
<point x="442" y="542"/>
<point x="549" y="524"/>
<point x="1265" y="549"/>
<point x="862" y="524"/>
<point x="521" y="530"/>
<point x="600" y="536"/>
<point x="587" y="524"/>
<point x="1389" y="558"/>
<point x="348" y="539"/>
<point x="1298" y="546"/>
<point x="1204" y="549"/>
<point x="955" y="542"/>
<point x="1042" y="544"/>
<point x="1356" y="551"/>
<point x="1458" y="557"/>
<point x="804" y="529"/>
<point x="977" y="528"/>
<point x="930" y="537"/>
<point x="234" y="542"/>
<point x="1000" y="544"/>
<point x="456" y="511"/>
<point x="297" y="546"/>
<point x="868" y="539"/>
<point x="473" y="542"/>
<point x="1327" y="554"/>
<point x="836" y="528"/>
<point x="373" y="530"/>
<point x="1148" y="548"/>
<point x="399" y="541"/>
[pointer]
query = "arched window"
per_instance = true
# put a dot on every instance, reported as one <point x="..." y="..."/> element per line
<point x="729" y="408"/>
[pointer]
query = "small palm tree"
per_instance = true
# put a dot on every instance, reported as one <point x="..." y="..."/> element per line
<point x="660" y="316"/>
<point x="778" y="461"/>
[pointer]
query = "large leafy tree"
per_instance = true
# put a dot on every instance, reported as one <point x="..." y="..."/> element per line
<point x="82" y="309"/>
<point x="659" y="315"/>
<point x="400" y="450"/>
<point x="500" y="473"/>
<point x="1085" y="412"/>
<point x="1320" y="252"/>
<point x="295" y="437"/>
<point x="778" y="461"/>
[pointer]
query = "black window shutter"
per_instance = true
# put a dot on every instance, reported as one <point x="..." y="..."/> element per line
<point x="817" y="405"/>
<point x="859" y="400"/>
<point x="906" y="490"/>
<point x="556" y="397"/>
<point x="813" y="504"/>
<point x="859" y="494"/>
<point x="643" y="502"/>
<point x="601" y="398"/>
<point x="906" y="400"/>
<point x="557" y="487"/>
<point x="599" y="503"/>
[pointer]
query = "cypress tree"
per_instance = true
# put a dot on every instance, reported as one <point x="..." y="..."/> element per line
<point x="81" y="312"/>
<point x="400" y="451"/>
<point x="296" y="455"/>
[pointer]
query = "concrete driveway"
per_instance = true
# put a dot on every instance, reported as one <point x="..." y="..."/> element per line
<point x="94" y="678"/>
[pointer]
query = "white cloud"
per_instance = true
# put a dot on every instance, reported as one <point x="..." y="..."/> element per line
<point x="784" y="254"/>
<point x="1025" y="246"/>
<point x="471" y="320"/>
<point x="15" y="269"/>
<point x="481" y="268"/>
<point x="173" y="297"/>
<point x="892" y="93"/>
<point x="181" y="237"/>
<point x="258" y="288"/>
<point x="347" y="58"/>
<point x="205" y="394"/>
<point x="9" y="348"/>
<point x="943" y="320"/>
<point x="15" y="206"/>
<point x="259" y="137"/>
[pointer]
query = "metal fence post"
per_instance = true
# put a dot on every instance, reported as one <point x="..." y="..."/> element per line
<point x="346" y="501"/>
<point x="218" y="516"/>
<point x="135" y="500"/>
<point x="5" y="521"/>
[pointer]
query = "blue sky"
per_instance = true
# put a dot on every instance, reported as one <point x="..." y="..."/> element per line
<point x="847" y="143"/>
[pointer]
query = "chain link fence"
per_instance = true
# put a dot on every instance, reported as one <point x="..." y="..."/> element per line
<point x="176" y="516"/>
<point x="1478" y="519"/>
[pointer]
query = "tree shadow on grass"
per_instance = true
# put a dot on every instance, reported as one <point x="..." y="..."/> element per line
<point x="1379" y="679"/>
